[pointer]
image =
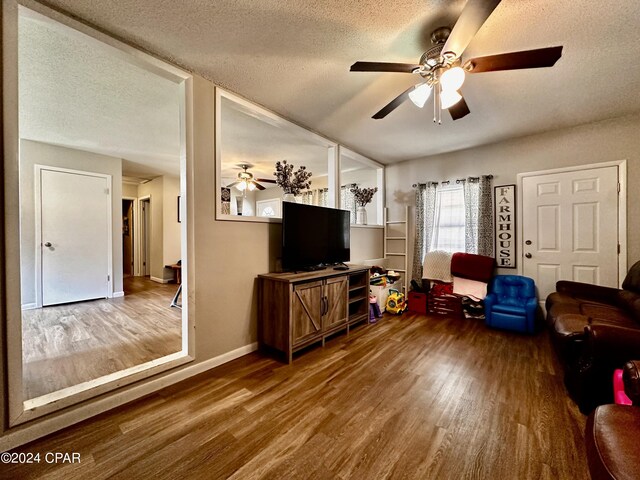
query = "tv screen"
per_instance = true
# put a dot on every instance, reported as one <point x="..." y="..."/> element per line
<point x="312" y="236"/>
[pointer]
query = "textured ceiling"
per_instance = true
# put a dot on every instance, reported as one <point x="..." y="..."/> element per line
<point x="293" y="57"/>
<point x="76" y="95"/>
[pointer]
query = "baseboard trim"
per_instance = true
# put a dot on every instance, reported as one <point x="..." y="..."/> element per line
<point x="118" y="294"/>
<point x="159" y="280"/>
<point x="29" y="306"/>
<point x="20" y="435"/>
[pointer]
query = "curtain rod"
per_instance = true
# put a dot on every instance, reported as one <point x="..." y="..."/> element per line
<point x="459" y="180"/>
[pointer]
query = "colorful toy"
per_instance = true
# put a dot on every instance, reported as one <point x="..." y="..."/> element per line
<point x="374" y="309"/>
<point x="396" y="302"/>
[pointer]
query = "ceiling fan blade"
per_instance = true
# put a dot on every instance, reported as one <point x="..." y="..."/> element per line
<point x="473" y="16"/>
<point x="383" y="67"/>
<point x="542" y="57"/>
<point x="265" y="180"/>
<point x="393" y="104"/>
<point x="459" y="110"/>
<point x="258" y="186"/>
<point x="232" y="184"/>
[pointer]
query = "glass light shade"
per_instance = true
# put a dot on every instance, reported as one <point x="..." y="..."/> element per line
<point x="448" y="98"/>
<point x="452" y="79"/>
<point x="242" y="186"/>
<point x="252" y="187"/>
<point x="420" y="94"/>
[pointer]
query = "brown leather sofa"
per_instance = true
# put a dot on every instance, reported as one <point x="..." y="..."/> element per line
<point x="594" y="331"/>
<point x="612" y="434"/>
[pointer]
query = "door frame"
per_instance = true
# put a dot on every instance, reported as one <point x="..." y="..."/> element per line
<point x="134" y="231"/>
<point x="622" y="208"/>
<point x="38" y="168"/>
<point x="142" y="237"/>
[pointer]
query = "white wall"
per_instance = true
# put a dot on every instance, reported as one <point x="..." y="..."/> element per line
<point x="608" y="140"/>
<point x="32" y="153"/>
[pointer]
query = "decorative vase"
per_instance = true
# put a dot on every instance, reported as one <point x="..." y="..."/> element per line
<point x="289" y="197"/>
<point x="361" y="216"/>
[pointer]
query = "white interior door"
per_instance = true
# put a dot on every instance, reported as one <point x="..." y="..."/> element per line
<point x="570" y="227"/>
<point x="74" y="216"/>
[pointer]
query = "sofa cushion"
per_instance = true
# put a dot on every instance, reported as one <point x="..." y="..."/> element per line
<point x="630" y="302"/>
<point x="632" y="280"/>
<point x="604" y="312"/>
<point x="612" y="442"/>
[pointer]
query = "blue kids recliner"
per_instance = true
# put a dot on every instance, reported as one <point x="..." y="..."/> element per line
<point x="512" y="303"/>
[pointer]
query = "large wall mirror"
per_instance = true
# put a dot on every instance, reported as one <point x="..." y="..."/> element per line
<point x="359" y="172"/>
<point x="101" y="163"/>
<point x="249" y="142"/>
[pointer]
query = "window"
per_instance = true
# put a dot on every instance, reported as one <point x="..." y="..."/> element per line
<point x="449" y="226"/>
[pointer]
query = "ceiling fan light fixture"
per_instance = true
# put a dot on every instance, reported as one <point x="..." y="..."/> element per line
<point x="452" y="79"/>
<point x="252" y="186"/>
<point x="448" y="98"/>
<point x="420" y="94"/>
<point x="242" y="186"/>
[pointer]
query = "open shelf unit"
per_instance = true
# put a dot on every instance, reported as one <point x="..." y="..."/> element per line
<point x="396" y="245"/>
<point x="358" y="297"/>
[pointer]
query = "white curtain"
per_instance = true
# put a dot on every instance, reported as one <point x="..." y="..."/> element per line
<point x="478" y="215"/>
<point x="453" y="218"/>
<point x="307" y="197"/>
<point x="348" y="201"/>
<point x="425" y="215"/>
<point x="322" y="197"/>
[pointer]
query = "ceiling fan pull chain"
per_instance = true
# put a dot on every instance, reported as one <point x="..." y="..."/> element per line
<point x="435" y="104"/>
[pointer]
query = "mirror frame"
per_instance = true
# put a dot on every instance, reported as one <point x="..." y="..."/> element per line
<point x="273" y="119"/>
<point x="21" y="410"/>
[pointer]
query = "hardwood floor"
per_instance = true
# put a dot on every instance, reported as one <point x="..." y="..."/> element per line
<point x="410" y="397"/>
<point x="65" y="345"/>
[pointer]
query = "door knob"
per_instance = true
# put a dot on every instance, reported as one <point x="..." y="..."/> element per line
<point x="528" y="242"/>
<point x="528" y="255"/>
<point x="48" y="244"/>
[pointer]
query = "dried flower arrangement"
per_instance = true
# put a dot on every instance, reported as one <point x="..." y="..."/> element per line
<point x="363" y="196"/>
<point x="290" y="181"/>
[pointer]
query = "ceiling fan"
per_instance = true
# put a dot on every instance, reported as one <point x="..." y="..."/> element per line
<point x="245" y="180"/>
<point x="443" y="71"/>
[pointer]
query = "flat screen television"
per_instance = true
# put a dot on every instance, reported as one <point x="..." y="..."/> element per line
<point x="314" y="236"/>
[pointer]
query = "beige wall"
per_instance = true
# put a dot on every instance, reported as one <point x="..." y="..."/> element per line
<point x="609" y="140"/>
<point x="129" y="190"/>
<point x="171" y="231"/>
<point x="32" y="153"/>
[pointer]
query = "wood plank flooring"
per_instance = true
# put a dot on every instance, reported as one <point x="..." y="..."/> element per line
<point x="411" y="397"/>
<point x="65" y="345"/>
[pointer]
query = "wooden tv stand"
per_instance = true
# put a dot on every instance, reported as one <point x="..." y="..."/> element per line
<point x="298" y="309"/>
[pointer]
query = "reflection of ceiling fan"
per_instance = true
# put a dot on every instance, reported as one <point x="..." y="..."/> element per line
<point x="245" y="180"/>
<point x="443" y="70"/>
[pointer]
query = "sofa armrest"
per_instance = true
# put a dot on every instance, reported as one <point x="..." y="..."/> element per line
<point x="631" y="379"/>
<point x="611" y="345"/>
<point x="588" y="291"/>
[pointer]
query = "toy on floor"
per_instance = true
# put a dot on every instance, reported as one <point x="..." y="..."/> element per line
<point x="374" y="309"/>
<point x="396" y="302"/>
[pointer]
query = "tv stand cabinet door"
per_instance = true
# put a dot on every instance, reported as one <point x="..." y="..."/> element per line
<point x="306" y="312"/>
<point x="337" y="293"/>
